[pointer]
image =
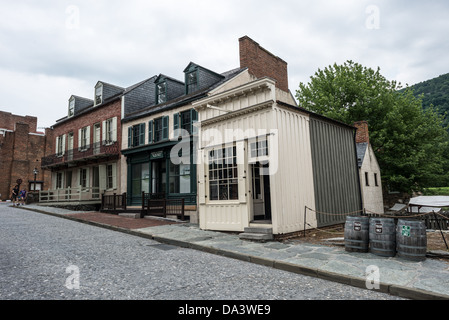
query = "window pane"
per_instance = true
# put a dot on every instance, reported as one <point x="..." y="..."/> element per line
<point x="223" y="184"/>
<point x="213" y="191"/>
<point x="146" y="177"/>
<point x="186" y="121"/>
<point x="233" y="192"/>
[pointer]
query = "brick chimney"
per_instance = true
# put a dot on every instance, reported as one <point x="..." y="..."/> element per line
<point x="262" y="63"/>
<point x="362" y="134"/>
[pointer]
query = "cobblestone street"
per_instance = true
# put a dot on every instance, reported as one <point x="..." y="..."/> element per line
<point x="41" y="256"/>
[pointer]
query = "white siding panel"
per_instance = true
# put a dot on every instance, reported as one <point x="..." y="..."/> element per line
<point x="292" y="185"/>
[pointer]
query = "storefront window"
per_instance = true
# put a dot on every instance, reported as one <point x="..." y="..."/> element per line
<point x="223" y="174"/>
<point x="140" y="179"/>
<point x="179" y="178"/>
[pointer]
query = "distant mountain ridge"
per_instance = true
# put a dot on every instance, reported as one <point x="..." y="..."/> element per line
<point x="435" y="92"/>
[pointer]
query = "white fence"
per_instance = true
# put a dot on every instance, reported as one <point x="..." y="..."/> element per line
<point x="70" y="195"/>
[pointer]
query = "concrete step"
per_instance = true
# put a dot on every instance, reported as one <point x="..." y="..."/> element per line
<point x="129" y="215"/>
<point x="262" y="230"/>
<point x="256" y="236"/>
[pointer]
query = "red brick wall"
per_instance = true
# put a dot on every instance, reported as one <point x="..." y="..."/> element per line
<point x="362" y="134"/>
<point x="262" y="63"/>
<point x="6" y="153"/>
<point x="20" y="153"/>
<point x="97" y="115"/>
<point x="8" y="121"/>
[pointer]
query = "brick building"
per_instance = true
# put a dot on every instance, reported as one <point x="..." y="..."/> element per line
<point x="84" y="152"/>
<point x="21" y="150"/>
<point x="151" y="134"/>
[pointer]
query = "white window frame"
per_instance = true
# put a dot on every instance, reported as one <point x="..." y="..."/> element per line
<point x="59" y="180"/>
<point x="218" y="166"/>
<point x="71" y="107"/>
<point x="98" y="98"/>
<point x="82" y="177"/>
<point x="161" y="89"/>
<point x="60" y="145"/>
<point x="109" y="131"/>
<point x="258" y="150"/>
<point x="84" y="138"/>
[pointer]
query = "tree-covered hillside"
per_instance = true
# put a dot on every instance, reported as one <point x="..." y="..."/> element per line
<point x="434" y="92"/>
<point x="410" y="142"/>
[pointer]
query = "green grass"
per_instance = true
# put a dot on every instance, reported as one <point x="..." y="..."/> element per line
<point x="443" y="191"/>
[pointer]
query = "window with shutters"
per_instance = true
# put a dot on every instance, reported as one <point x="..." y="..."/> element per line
<point x="110" y="131"/>
<point x="83" y="178"/>
<point x="84" y="139"/>
<point x="186" y="122"/>
<point x="136" y="135"/>
<point x="158" y="129"/>
<point x="59" y="180"/>
<point x="60" y="146"/>
<point x="110" y="176"/>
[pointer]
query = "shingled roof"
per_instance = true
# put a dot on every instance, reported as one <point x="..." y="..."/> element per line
<point x="184" y="99"/>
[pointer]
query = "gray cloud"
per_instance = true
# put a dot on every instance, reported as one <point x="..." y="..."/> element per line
<point x="50" y="50"/>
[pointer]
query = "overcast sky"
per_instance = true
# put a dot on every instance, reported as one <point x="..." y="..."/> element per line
<point x="50" y="50"/>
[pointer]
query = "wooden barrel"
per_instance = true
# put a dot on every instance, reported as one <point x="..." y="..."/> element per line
<point x="382" y="237"/>
<point x="357" y="234"/>
<point x="411" y="239"/>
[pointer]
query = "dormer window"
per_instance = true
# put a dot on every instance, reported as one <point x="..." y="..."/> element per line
<point x="192" y="81"/>
<point x="161" y="92"/>
<point x="99" y="94"/>
<point x="71" y="107"/>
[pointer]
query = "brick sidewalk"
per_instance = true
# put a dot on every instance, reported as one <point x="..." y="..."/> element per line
<point x="119" y="221"/>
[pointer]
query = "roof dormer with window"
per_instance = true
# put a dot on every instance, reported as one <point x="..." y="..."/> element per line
<point x="168" y="89"/>
<point x="161" y="92"/>
<point x="198" y="78"/>
<point x="77" y="104"/>
<point x="71" y="112"/>
<point x="98" y="93"/>
<point x="105" y="91"/>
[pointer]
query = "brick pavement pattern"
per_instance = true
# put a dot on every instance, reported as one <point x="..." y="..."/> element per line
<point x="119" y="221"/>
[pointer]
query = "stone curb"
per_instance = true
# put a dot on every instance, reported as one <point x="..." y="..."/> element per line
<point x="395" y="290"/>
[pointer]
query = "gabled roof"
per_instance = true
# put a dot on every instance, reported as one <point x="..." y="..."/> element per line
<point x="193" y="65"/>
<point x="184" y="99"/>
<point x="163" y="76"/>
<point x="109" y="85"/>
<point x="134" y="86"/>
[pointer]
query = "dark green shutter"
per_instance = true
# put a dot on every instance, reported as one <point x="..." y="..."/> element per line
<point x="142" y="134"/>
<point x="150" y="132"/>
<point x="176" y="121"/>
<point x="165" y="128"/>
<point x="130" y="137"/>
<point x="193" y="120"/>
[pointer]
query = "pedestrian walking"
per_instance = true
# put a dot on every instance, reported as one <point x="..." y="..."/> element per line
<point x="23" y="196"/>
<point x="15" y="194"/>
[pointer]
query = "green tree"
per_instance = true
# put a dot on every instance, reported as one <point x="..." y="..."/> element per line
<point x="409" y="142"/>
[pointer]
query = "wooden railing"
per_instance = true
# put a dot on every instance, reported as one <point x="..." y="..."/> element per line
<point x="97" y="149"/>
<point x="70" y="195"/>
<point x="164" y="208"/>
<point x="113" y="202"/>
